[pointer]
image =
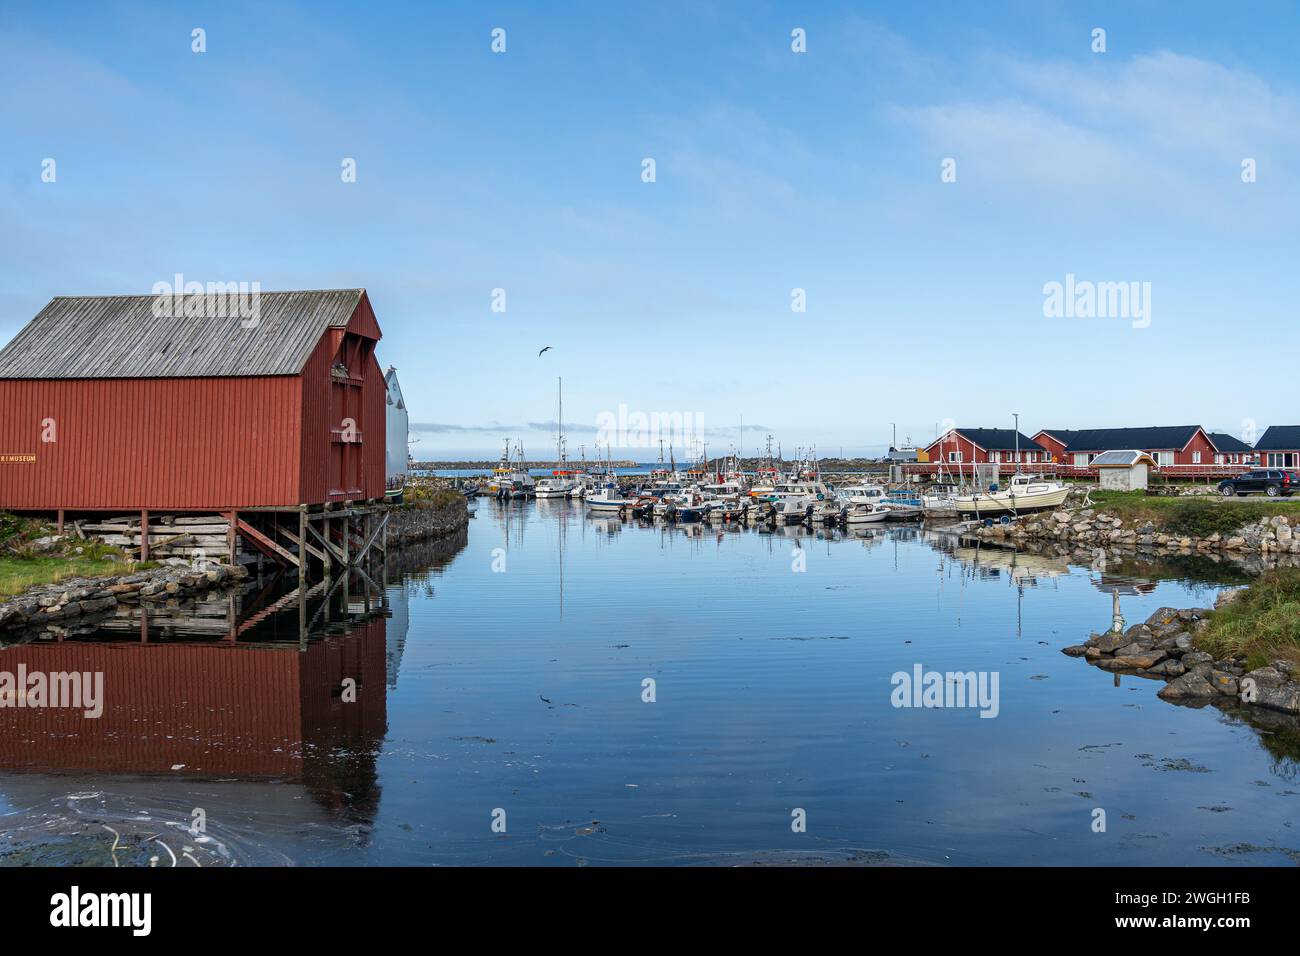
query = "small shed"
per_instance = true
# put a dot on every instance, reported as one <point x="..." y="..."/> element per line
<point x="1125" y="470"/>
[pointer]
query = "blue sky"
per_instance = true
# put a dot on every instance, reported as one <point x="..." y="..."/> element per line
<point x="775" y="171"/>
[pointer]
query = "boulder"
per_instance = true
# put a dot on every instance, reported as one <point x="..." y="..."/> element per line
<point x="1285" y="698"/>
<point x="1162" y="615"/>
<point x="1187" y="687"/>
<point x="1168" y="668"/>
<point x="1109" y="642"/>
<point x="1266" y="677"/>
<point x="1136" y="662"/>
<point x="1224" y="683"/>
<point x="1075" y="650"/>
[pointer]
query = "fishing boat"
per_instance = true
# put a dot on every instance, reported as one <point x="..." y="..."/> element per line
<point x="559" y="484"/>
<point x="510" y="479"/>
<point x="607" y="498"/>
<point x="688" y="506"/>
<point x="1024" y="493"/>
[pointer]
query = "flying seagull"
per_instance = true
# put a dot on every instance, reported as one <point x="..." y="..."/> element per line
<point x="547" y="349"/>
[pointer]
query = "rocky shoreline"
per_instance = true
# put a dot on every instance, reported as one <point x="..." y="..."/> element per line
<point x="1164" y="647"/>
<point x="414" y="523"/>
<point x="74" y="599"/>
<point x="1095" y="528"/>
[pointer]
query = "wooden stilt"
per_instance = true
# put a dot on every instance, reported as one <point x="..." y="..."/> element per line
<point x="303" y="556"/>
<point x="144" y="535"/>
<point x="302" y="615"/>
<point x="329" y="552"/>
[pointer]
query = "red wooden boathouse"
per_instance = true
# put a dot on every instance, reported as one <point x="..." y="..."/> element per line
<point x="111" y="404"/>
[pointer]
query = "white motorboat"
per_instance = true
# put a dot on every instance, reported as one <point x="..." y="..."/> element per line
<point x="607" y="498"/>
<point x="558" y="484"/>
<point x="863" y="513"/>
<point x="795" y="501"/>
<point x="1023" y="493"/>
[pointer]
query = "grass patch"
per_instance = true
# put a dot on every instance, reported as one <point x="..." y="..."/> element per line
<point x="1263" y="623"/>
<point x="18" y="574"/>
<point x="420" y="495"/>
<point x="23" y="565"/>
<point x="1194" y="517"/>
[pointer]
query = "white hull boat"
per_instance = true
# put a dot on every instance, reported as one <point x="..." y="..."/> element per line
<point x="1025" y="493"/>
<point x="607" y="498"/>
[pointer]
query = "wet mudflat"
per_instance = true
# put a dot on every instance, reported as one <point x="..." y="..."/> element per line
<point x="568" y="690"/>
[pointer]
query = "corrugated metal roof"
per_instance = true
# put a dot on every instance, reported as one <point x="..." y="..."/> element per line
<point x="1121" y="459"/>
<point x="127" y="337"/>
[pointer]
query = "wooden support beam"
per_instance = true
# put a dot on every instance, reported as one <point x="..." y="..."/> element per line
<point x="330" y="547"/>
<point x="144" y="535"/>
<point x="232" y="536"/>
<point x="303" y="551"/>
<point x="60" y="521"/>
<point x="365" y="548"/>
<point x="265" y="543"/>
<point x="315" y="552"/>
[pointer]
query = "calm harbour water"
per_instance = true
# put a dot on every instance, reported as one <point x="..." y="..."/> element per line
<point x="510" y="677"/>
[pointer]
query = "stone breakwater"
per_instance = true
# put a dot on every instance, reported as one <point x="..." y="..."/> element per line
<point x="74" y="599"/>
<point x="1164" y="647"/>
<point x="1096" y="529"/>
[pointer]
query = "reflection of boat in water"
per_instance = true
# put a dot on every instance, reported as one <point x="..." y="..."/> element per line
<point x="1024" y="493"/>
<point x="984" y="560"/>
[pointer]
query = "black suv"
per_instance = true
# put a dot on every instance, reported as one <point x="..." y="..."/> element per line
<point x="1271" y="481"/>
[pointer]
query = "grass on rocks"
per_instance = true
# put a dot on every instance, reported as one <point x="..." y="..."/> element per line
<point x="18" y="574"/>
<point x="1263" y="622"/>
<point x="1196" y="517"/>
<point x="22" y="565"/>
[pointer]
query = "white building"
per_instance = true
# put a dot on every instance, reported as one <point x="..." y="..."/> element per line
<point x="1125" y="470"/>
<point x="398" y="425"/>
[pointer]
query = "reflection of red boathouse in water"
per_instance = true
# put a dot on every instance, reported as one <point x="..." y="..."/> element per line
<point x="215" y="708"/>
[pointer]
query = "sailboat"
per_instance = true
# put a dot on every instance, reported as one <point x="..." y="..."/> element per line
<point x="1024" y="493"/>
<point x="561" y="482"/>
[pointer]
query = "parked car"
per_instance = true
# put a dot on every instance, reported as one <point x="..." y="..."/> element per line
<point x="1271" y="481"/>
